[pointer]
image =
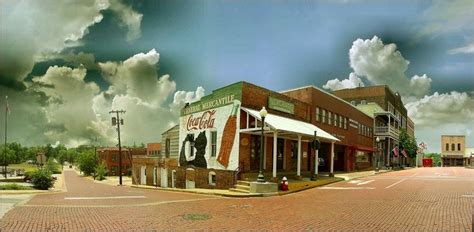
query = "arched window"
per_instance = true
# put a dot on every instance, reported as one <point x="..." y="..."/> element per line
<point x="447" y="146"/>
<point x="453" y="147"/>
<point x="459" y="146"/>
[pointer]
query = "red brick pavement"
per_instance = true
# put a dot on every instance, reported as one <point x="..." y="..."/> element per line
<point x="425" y="199"/>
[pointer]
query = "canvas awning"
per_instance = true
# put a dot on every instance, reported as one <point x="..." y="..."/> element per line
<point x="279" y="123"/>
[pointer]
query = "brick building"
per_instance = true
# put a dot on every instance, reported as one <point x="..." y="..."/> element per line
<point x="453" y="151"/>
<point x="153" y="149"/>
<point x="387" y="122"/>
<point x="220" y="135"/>
<point x="110" y="155"/>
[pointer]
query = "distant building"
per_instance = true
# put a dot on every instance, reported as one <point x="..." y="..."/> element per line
<point x="153" y="149"/>
<point x="453" y="151"/>
<point x="110" y="155"/>
<point x="41" y="158"/>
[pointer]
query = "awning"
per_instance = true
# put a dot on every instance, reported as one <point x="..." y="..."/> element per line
<point x="279" y="123"/>
<point x="363" y="148"/>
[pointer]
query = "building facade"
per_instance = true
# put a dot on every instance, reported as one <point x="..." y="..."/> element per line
<point x="387" y="123"/>
<point x="153" y="149"/>
<point x="453" y="151"/>
<point x="220" y="136"/>
<point x="110" y="156"/>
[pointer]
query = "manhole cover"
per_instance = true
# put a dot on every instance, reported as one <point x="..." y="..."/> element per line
<point x="196" y="217"/>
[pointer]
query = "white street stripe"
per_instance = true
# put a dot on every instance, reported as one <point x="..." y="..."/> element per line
<point x="347" y="188"/>
<point x="101" y="198"/>
<point x="398" y="182"/>
<point x="468" y="195"/>
<point x="365" y="182"/>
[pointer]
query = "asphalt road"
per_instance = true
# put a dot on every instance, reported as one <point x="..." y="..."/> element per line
<point x="423" y="199"/>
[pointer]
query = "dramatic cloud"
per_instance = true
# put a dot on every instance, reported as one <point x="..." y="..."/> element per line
<point x="128" y="18"/>
<point x="446" y="108"/>
<point x="353" y="82"/>
<point x="384" y="65"/>
<point x="32" y="29"/>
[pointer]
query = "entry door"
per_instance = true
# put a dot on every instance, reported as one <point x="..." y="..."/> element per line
<point x="143" y="175"/>
<point x="280" y="153"/>
<point x="255" y="152"/>
<point x="164" y="177"/>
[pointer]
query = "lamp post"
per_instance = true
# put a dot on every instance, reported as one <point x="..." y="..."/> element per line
<point x="263" y="114"/>
<point x="377" y="158"/>
<point x="315" y="145"/>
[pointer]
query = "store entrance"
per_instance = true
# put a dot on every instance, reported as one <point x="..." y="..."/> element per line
<point x="255" y="152"/>
<point x="280" y="153"/>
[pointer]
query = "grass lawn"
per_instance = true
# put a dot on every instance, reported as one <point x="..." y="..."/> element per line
<point x="25" y="166"/>
<point x="14" y="187"/>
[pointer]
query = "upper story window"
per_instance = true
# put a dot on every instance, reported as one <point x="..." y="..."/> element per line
<point x="363" y="102"/>
<point x="167" y="148"/>
<point x="330" y="117"/>
<point x="447" y="147"/>
<point x="453" y="147"/>
<point x="336" y="119"/>
<point x="318" y="114"/>
<point x="353" y="103"/>
<point x="340" y="121"/>
<point x="345" y="123"/>
<point x="324" y="116"/>
<point x="459" y="146"/>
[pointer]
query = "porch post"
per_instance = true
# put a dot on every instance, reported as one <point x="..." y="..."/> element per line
<point x="298" y="166"/>
<point x="316" y="163"/>
<point x="331" y="171"/>
<point x="275" y="154"/>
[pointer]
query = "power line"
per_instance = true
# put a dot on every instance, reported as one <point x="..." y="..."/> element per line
<point x="117" y="121"/>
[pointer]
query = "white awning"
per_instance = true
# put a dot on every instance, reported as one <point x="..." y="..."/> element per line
<point x="279" y="123"/>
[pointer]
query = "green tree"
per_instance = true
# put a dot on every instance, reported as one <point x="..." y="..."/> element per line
<point x="101" y="171"/>
<point x="10" y="155"/>
<point x="408" y="143"/>
<point x="87" y="162"/>
<point x="436" y="157"/>
<point x="52" y="166"/>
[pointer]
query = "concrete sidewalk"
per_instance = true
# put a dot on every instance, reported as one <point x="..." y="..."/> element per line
<point x="354" y="175"/>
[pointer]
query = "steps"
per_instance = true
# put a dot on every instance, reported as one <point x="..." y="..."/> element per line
<point x="241" y="187"/>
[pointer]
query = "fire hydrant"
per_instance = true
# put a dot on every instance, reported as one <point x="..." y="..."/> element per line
<point x="284" y="184"/>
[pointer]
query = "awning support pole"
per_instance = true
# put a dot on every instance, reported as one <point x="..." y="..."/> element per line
<point x="298" y="170"/>
<point x="331" y="171"/>
<point x="275" y="154"/>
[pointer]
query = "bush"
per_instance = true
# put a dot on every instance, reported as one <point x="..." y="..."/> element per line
<point x="101" y="171"/>
<point x="87" y="162"/>
<point x="14" y="187"/>
<point x="53" y="166"/>
<point x="42" y="179"/>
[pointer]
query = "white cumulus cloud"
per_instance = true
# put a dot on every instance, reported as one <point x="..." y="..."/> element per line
<point x="352" y="82"/>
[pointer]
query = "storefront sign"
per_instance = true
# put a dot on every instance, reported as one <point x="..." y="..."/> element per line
<point x="280" y="105"/>
<point x="210" y="104"/>
<point x="206" y="120"/>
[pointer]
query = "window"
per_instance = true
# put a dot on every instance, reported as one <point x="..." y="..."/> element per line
<point x="330" y="117"/>
<point x="353" y="102"/>
<point x="363" y="102"/>
<point x="212" y="178"/>
<point x="345" y="123"/>
<point x="213" y="143"/>
<point x="115" y="158"/>
<point x="452" y="147"/>
<point x="318" y="115"/>
<point x="167" y="148"/>
<point x="324" y="116"/>
<point x="459" y="146"/>
<point x="154" y="175"/>
<point x="447" y="146"/>
<point x="340" y="121"/>
<point x="336" y="119"/>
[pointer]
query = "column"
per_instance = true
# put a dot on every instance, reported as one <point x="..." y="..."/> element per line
<point x="264" y="152"/>
<point x="275" y="154"/>
<point x="331" y="170"/>
<point x="298" y="165"/>
<point x="316" y="163"/>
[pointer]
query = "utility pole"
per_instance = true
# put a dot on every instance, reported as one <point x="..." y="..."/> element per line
<point x="117" y="121"/>
<point x="5" y="146"/>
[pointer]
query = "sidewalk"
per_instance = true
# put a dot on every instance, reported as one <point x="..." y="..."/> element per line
<point x="354" y="175"/>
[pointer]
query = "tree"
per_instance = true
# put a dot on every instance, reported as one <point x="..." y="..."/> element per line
<point x="436" y="157"/>
<point x="52" y="166"/>
<point x="101" y="171"/>
<point x="87" y="162"/>
<point x="408" y="143"/>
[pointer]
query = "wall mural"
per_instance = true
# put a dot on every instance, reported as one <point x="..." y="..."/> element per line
<point x="195" y="137"/>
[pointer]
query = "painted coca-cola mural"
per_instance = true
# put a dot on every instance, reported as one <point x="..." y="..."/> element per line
<point x="197" y="145"/>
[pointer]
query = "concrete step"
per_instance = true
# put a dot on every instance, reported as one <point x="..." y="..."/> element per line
<point x="243" y="187"/>
<point x="242" y="182"/>
<point x="239" y="190"/>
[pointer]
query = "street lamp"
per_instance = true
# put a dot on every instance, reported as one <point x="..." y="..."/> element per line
<point x="263" y="114"/>
<point x="315" y="145"/>
<point x="377" y="140"/>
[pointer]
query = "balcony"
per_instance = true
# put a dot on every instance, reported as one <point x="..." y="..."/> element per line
<point x="386" y="131"/>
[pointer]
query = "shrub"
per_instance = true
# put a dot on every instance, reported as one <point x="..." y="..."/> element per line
<point x="101" y="171"/>
<point x="14" y="187"/>
<point x="53" y="166"/>
<point x="42" y="179"/>
<point x="87" y="162"/>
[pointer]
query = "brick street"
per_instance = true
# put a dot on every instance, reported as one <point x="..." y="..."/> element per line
<point x="423" y="199"/>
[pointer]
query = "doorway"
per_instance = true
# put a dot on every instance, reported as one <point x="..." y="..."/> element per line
<point x="255" y="143"/>
<point x="280" y="153"/>
<point x="143" y="175"/>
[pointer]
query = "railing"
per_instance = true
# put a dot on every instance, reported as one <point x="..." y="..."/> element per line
<point x="236" y="175"/>
<point x="386" y="130"/>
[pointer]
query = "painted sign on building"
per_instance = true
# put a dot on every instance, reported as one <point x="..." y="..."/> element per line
<point x="209" y="139"/>
<point x="280" y="105"/>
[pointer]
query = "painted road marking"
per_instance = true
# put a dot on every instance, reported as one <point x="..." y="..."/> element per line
<point x="468" y="195"/>
<point x="347" y="188"/>
<point x="102" y="198"/>
<point x="355" y="181"/>
<point x="365" y="182"/>
<point x="398" y="182"/>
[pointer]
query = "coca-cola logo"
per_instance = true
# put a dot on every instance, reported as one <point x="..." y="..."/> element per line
<point x="200" y="123"/>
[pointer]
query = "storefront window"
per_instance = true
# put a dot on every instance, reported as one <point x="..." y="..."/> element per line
<point x="362" y="157"/>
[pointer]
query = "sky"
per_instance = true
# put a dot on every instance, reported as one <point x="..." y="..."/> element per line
<point x="65" y="64"/>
